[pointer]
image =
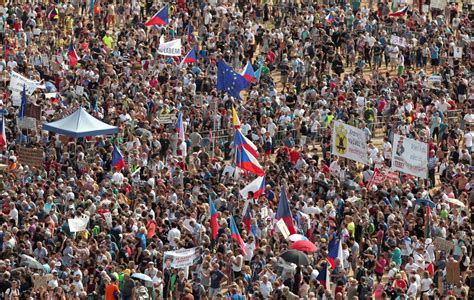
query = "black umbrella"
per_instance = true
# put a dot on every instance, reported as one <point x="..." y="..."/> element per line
<point x="297" y="257"/>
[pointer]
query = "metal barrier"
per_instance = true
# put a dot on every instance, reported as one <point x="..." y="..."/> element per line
<point x="223" y="136"/>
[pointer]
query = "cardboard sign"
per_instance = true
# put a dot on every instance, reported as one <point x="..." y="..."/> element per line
<point x="33" y="111"/>
<point x="79" y="90"/>
<point x="453" y="272"/>
<point x="457" y="52"/>
<point x="27" y="123"/>
<point x="443" y="245"/>
<point x="41" y="281"/>
<point x="283" y="228"/>
<point x="30" y="156"/>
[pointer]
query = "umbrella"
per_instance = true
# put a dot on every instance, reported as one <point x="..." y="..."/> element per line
<point x="297" y="237"/>
<point x="306" y="246"/>
<point x="455" y="202"/>
<point x="141" y="276"/>
<point x="322" y="183"/>
<point x="312" y="210"/>
<point x="425" y="202"/>
<point x="297" y="257"/>
<point x="31" y="262"/>
<point x="351" y="185"/>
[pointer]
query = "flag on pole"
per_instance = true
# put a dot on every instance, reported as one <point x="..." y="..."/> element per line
<point x="258" y="74"/>
<point x="3" y="136"/>
<point x="160" y="18"/>
<point x="189" y="33"/>
<point x="230" y="81"/>
<point x="284" y="212"/>
<point x="324" y="278"/>
<point x="247" y="219"/>
<point x="214" y="223"/>
<point x="241" y="141"/>
<point x="399" y="13"/>
<point x="248" y="73"/>
<point x="180" y="127"/>
<point x="330" y="18"/>
<point x="257" y="187"/>
<point x="22" y="112"/>
<point x="72" y="55"/>
<point x="235" y="118"/>
<point x="117" y="159"/>
<point x="190" y="58"/>
<point x="234" y="232"/>
<point x="247" y="162"/>
<point x="428" y="221"/>
<point x="334" y="251"/>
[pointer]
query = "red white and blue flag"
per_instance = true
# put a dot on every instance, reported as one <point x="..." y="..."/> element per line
<point x="249" y="73"/>
<point x="117" y="159"/>
<point x="324" y="278"/>
<point x="214" y="223"/>
<point x="330" y="18"/>
<point x="180" y="127"/>
<point x="247" y="162"/>
<point x="3" y="136"/>
<point x="234" y="233"/>
<point x="257" y="187"/>
<point x="72" y="55"/>
<point x="334" y="251"/>
<point x="399" y="13"/>
<point x="247" y="219"/>
<point x="284" y="212"/>
<point x="190" y="58"/>
<point x="160" y="18"/>
<point x="241" y="141"/>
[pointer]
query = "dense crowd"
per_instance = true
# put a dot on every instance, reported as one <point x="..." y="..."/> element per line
<point x="408" y="74"/>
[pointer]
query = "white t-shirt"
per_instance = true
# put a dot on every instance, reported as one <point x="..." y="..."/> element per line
<point x="468" y="139"/>
<point x="236" y="266"/>
<point x="266" y="289"/>
<point x="425" y="284"/>
<point x="412" y="289"/>
<point x="250" y="249"/>
<point x="387" y="150"/>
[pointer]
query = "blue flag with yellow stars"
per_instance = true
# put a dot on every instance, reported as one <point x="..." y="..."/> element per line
<point x="230" y="81"/>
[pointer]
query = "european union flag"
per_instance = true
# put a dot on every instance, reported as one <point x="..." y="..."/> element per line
<point x="230" y="81"/>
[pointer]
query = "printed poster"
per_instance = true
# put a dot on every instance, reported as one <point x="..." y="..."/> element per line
<point x="181" y="258"/>
<point x="78" y="224"/>
<point x="349" y="142"/>
<point x="17" y="82"/>
<point x="457" y="52"/>
<point x="410" y="156"/>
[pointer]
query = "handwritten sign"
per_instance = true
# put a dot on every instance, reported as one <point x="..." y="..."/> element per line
<point x="78" y="224"/>
<point x="283" y="228"/>
<point x="33" y="111"/>
<point x="30" y="156"/>
<point x="443" y="244"/>
<point x="41" y="281"/>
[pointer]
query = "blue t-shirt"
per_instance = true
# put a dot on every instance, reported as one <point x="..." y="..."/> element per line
<point x="434" y="52"/>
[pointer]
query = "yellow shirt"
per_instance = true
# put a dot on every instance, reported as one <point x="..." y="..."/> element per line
<point x="108" y="41"/>
<point x="69" y="23"/>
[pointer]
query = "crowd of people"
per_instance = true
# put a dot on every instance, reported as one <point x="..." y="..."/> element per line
<point x="375" y="66"/>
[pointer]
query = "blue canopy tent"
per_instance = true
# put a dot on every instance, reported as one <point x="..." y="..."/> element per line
<point x="80" y="124"/>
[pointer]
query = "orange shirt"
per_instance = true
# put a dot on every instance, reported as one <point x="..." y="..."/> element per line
<point x="110" y="290"/>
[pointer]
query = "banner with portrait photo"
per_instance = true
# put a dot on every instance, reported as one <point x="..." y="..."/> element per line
<point x="349" y="142"/>
<point x="410" y="156"/>
<point x="182" y="258"/>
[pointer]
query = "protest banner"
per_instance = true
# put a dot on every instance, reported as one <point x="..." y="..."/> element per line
<point x="30" y="156"/>
<point x="78" y="224"/>
<point x="282" y="228"/>
<point x="410" y="156"/>
<point x="376" y="179"/>
<point x="438" y="4"/>
<point x="171" y="48"/>
<point x="398" y="41"/>
<point x="443" y="244"/>
<point x="457" y="52"/>
<point x="17" y="82"/>
<point x="181" y="258"/>
<point x="349" y="142"/>
<point x="41" y="281"/>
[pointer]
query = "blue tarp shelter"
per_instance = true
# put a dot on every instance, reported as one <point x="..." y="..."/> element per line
<point x="80" y="124"/>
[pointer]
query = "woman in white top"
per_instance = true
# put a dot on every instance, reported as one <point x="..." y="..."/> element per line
<point x="237" y="263"/>
<point x="426" y="283"/>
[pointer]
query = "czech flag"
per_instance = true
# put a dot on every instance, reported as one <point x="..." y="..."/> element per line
<point x="323" y="277"/>
<point x="180" y="127"/>
<point x="160" y="18"/>
<point x="72" y="55"/>
<point x="334" y="251"/>
<point x="190" y="58"/>
<point x="189" y="33"/>
<point x="3" y="136"/>
<point x="235" y="118"/>
<point x="399" y="13"/>
<point x="241" y="141"/>
<point x="117" y="159"/>
<point x="234" y="233"/>
<point x="257" y="187"/>
<point x="247" y="162"/>
<point x="248" y="73"/>
<point x="284" y="212"/>
<point x="330" y="18"/>
<point x="214" y="223"/>
<point x="258" y="73"/>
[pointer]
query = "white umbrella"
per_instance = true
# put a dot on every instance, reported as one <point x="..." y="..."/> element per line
<point x="312" y="210"/>
<point x="455" y="202"/>
<point x="297" y="237"/>
<point x="141" y="276"/>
